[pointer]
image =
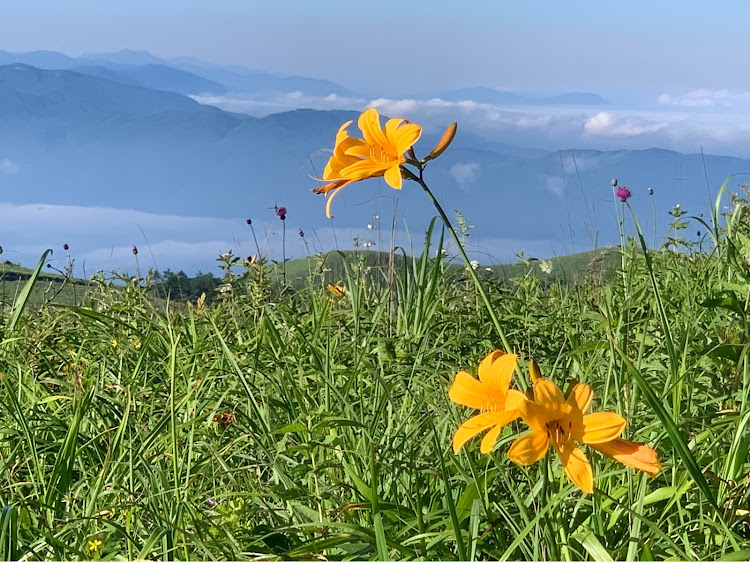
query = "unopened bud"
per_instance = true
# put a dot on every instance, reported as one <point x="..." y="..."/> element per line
<point x="444" y="142"/>
<point x="614" y="182"/>
<point x="534" y="371"/>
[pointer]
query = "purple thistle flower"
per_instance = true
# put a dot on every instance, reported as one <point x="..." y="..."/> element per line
<point x="281" y="212"/>
<point x="134" y="249"/>
<point x="623" y="193"/>
<point x="301" y="234"/>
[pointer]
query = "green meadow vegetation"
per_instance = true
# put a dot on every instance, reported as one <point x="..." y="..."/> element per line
<point x="275" y="417"/>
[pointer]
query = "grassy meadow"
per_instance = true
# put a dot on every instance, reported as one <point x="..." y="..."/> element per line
<point x="307" y="410"/>
<point x="284" y="422"/>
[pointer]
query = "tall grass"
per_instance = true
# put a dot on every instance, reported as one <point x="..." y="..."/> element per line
<point x="294" y="424"/>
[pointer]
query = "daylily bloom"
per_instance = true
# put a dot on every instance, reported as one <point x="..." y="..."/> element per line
<point x="379" y="153"/>
<point x="560" y="422"/>
<point x="491" y="395"/>
<point x="336" y="290"/>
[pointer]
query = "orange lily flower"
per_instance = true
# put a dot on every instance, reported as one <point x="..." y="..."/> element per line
<point x="491" y="395"/>
<point x="379" y="154"/>
<point x="336" y="290"/>
<point x="560" y="422"/>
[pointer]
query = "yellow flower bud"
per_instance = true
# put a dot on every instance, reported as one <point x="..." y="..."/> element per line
<point x="443" y="143"/>
<point x="534" y="371"/>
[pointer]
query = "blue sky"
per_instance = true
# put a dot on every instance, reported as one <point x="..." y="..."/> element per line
<point x="666" y="46"/>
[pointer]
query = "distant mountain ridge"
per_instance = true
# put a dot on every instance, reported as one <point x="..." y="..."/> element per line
<point x="492" y="96"/>
<point x="72" y="138"/>
<point x="191" y="76"/>
<point x="182" y="75"/>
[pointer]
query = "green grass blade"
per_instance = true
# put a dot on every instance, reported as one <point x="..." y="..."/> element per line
<point x="23" y="297"/>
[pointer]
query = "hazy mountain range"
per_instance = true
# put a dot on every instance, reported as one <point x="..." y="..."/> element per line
<point x="118" y="131"/>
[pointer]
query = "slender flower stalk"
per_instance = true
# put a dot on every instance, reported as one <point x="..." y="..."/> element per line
<point x="281" y="213"/>
<point x="470" y="270"/>
<point x="255" y="238"/>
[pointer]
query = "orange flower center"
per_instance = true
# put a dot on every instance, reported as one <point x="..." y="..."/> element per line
<point x="493" y="404"/>
<point x="379" y="154"/>
<point x="559" y="431"/>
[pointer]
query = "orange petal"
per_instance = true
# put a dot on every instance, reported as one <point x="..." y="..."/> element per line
<point x="369" y="123"/>
<point x="357" y="150"/>
<point x="467" y="391"/>
<point x="602" y="426"/>
<point x="535" y="415"/>
<point x="475" y="425"/>
<point x="488" y="441"/>
<point x="500" y="371"/>
<point x="331" y="196"/>
<point x="529" y="448"/>
<point x="393" y="177"/>
<point x="550" y="397"/>
<point x="576" y="465"/>
<point x="363" y="169"/>
<point x="485" y="365"/>
<point x="342" y="134"/>
<point x="581" y="396"/>
<point x="547" y="393"/>
<point x="634" y="455"/>
<point x="513" y="399"/>
<point x="405" y="136"/>
<point x="329" y="186"/>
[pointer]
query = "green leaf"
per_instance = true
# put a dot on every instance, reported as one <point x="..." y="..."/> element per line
<point x="23" y="298"/>
<point x="588" y="540"/>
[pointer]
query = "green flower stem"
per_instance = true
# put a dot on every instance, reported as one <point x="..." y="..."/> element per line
<point x="470" y="269"/>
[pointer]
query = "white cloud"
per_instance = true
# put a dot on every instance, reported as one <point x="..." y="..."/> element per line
<point x="465" y="174"/>
<point x="704" y="98"/>
<point x="706" y="119"/>
<point x="262" y="105"/>
<point x="554" y="185"/>
<point x="606" y="123"/>
<point x="8" y="167"/>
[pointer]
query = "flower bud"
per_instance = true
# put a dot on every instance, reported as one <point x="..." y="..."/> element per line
<point x="443" y="143"/>
<point x="134" y="249"/>
<point x="534" y="371"/>
<point x="614" y="182"/>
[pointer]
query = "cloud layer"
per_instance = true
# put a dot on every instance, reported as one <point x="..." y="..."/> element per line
<point x="100" y="239"/>
<point x="713" y="120"/>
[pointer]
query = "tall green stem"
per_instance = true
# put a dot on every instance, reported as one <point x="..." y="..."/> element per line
<point x="470" y="269"/>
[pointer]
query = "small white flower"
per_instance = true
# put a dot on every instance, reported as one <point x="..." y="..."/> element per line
<point x="488" y="269"/>
<point x="474" y="264"/>
<point x="545" y="266"/>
